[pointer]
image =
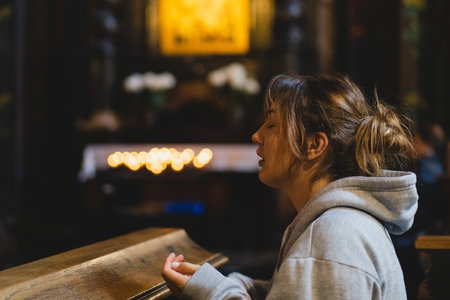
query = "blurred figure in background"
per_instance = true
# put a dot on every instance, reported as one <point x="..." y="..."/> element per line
<point x="430" y="145"/>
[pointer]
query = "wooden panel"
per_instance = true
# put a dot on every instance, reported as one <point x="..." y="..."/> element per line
<point x="432" y="242"/>
<point x="125" y="267"/>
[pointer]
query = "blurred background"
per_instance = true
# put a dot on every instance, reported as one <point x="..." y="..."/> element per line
<point x="83" y="79"/>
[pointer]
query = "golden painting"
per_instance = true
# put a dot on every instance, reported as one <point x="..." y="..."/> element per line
<point x="196" y="27"/>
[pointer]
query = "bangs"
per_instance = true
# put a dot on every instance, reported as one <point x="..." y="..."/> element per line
<point x="269" y="100"/>
<point x="278" y="90"/>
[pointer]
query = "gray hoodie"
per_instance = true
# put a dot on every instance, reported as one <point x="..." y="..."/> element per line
<point x="337" y="247"/>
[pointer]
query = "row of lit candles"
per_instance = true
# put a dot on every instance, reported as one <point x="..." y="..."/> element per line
<point x="158" y="159"/>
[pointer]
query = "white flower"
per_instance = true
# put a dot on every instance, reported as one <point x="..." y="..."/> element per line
<point x="251" y="86"/>
<point x="149" y="79"/>
<point x="159" y="82"/>
<point x="134" y="83"/>
<point x="168" y="80"/>
<point x="218" y="78"/>
<point x="237" y="75"/>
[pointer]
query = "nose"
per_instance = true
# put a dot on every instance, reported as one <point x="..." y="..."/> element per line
<point x="256" y="137"/>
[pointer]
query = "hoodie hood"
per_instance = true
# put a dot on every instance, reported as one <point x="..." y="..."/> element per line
<point x="391" y="198"/>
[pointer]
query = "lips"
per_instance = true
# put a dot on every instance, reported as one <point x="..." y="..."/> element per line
<point x="258" y="152"/>
<point x="260" y="162"/>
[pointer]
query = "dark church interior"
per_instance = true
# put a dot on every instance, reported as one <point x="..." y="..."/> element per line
<point x="68" y="101"/>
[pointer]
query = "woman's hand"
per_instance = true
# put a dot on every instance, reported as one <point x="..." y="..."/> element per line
<point x="176" y="273"/>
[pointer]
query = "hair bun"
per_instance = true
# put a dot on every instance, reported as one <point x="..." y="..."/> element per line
<point x="382" y="141"/>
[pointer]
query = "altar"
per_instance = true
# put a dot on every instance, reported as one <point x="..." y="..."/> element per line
<point x="241" y="158"/>
<point x="201" y="199"/>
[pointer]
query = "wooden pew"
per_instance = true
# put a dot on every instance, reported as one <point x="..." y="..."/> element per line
<point x="435" y="249"/>
<point x="433" y="243"/>
<point x="124" y="267"/>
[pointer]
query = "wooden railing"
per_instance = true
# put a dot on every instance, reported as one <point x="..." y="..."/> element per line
<point x="125" y="267"/>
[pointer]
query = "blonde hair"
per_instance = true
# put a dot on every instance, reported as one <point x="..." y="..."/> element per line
<point x="363" y="139"/>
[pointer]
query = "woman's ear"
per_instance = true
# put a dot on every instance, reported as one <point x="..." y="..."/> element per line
<point x="317" y="144"/>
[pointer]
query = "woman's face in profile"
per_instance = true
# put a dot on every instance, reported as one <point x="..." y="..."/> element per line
<point x="276" y="157"/>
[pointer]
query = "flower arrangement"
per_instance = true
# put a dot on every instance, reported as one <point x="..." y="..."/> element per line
<point x="236" y="88"/>
<point x="235" y="77"/>
<point x="151" y="85"/>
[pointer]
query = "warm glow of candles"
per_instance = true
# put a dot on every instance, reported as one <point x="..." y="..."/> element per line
<point x="187" y="155"/>
<point x="156" y="160"/>
<point x="196" y="163"/>
<point x="115" y="159"/>
<point x="177" y="164"/>
<point x="205" y="156"/>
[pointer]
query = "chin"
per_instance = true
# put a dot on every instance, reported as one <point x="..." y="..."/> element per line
<point x="267" y="181"/>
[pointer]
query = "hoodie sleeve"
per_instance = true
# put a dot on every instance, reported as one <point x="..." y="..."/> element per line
<point x="309" y="278"/>
<point x="208" y="283"/>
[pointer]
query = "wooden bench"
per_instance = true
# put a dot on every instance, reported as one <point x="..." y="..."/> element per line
<point x="125" y="267"/>
<point x="436" y="251"/>
<point x="433" y="243"/>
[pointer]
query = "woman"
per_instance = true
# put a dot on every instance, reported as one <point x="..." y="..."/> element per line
<point x="340" y="161"/>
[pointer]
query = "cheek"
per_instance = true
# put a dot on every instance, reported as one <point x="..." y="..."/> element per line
<point x="274" y="175"/>
<point x="277" y="171"/>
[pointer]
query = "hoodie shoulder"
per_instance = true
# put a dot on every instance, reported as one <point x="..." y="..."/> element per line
<point x="343" y="235"/>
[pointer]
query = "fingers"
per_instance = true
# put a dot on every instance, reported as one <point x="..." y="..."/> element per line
<point x="184" y="267"/>
<point x="172" y="257"/>
<point x="179" y="258"/>
<point x="169" y="259"/>
<point x="175" y="281"/>
<point x="174" y="266"/>
<point x="176" y="273"/>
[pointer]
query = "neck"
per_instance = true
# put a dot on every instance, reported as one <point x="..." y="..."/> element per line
<point x="300" y="191"/>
